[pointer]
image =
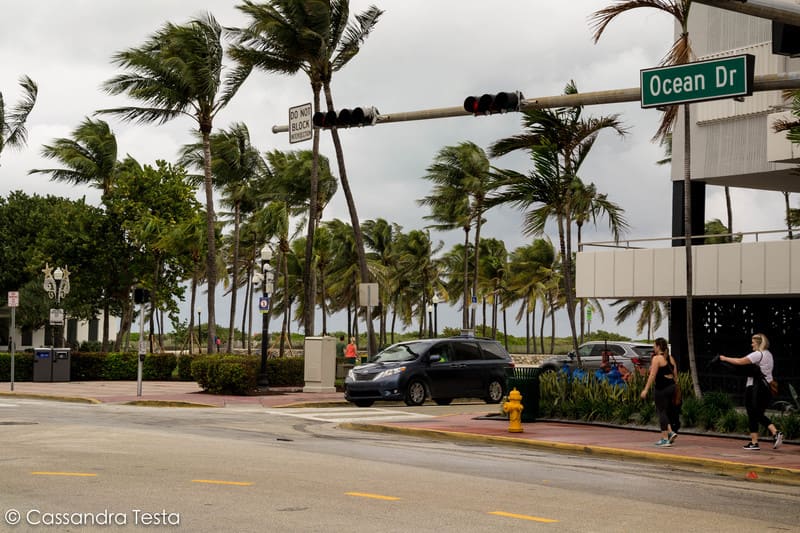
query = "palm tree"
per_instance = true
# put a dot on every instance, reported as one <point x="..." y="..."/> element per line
<point x="462" y="180"/>
<point x="176" y="72"/>
<point x="236" y="166"/>
<point x="559" y="141"/>
<point x="287" y="36"/>
<point x="652" y="314"/>
<point x="12" y="124"/>
<point x="526" y="275"/>
<point x="588" y="205"/>
<point x="89" y="157"/>
<point x="680" y="53"/>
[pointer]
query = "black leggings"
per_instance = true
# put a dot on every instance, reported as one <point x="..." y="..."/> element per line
<point x="756" y="399"/>
<point x="667" y="413"/>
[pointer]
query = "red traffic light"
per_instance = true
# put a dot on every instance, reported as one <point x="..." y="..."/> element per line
<point x="489" y="104"/>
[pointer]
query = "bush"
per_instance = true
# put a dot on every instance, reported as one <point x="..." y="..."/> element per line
<point x="286" y="371"/>
<point x="120" y="366"/>
<point x="159" y="366"/>
<point x="185" y="367"/>
<point x="226" y="374"/>
<point x="690" y="411"/>
<point x="789" y="424"/>
<point x="91" y="346"/>
<point x="732" y="422"/>
<point x="87" y="366"/>
<point x="23" y="366"/>
<point x="714" y="406"/>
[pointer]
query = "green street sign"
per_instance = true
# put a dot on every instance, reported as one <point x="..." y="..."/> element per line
<point x="714" y="79"/>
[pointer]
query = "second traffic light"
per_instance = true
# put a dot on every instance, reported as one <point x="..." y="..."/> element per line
<point x="489" y="104"/>
<point x="346" y="118"/>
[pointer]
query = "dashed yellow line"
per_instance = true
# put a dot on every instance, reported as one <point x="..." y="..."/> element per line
<point x="524" y="517"/>
<point x="373" y="496"/>
<point x="218" y="482"/>
<point x="74" y="474"/>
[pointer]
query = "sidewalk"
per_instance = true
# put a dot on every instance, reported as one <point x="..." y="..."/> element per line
<point x="699" y="452"/>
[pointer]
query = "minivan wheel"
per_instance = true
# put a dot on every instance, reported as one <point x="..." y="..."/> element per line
<point x="363" y="403"/>
<point x="415" y="393"/>
<point x="443" y="401"/>
<point x="494" y="392"/>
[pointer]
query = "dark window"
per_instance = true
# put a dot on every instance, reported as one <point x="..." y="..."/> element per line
<point x="94" y="326"/>
<point x="643" y="350"/>
<point x="444" y="350"/>
<point x="616" y="349"/>
<point x="492" y="350"/>
<point x="72" y="330"/>
<point x="466" y="351"/>
<point x="27" y="337"/>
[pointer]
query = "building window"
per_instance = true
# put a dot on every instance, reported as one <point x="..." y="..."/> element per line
<point x="94" y="326"/>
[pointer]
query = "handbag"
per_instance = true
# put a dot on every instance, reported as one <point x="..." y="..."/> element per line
<point x="773" y="387"/>
<point x="676" y="396"/>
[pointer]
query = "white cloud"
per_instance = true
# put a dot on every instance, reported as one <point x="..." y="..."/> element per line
<point x="423" y="54"/>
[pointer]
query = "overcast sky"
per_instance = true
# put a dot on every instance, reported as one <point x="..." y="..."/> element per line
<point x="422" y="54"/>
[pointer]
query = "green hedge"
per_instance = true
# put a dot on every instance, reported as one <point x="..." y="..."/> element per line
<point x="226" y="374"/>
<point x="23" y="366"/>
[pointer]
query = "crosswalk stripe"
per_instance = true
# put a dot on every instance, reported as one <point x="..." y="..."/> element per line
<point x="344" y="414"/>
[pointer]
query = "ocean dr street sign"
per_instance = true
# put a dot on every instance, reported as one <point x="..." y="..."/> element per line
<point x="300" y="123"/>
<point x="728" y="77"/>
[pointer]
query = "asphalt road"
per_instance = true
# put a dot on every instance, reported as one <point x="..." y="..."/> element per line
<point x="256" y="469"/>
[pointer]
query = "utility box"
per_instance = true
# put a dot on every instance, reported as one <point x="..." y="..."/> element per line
<point x="61" y="364"/>
<point x="319" y="369"/>
<point x="43" y="364"/>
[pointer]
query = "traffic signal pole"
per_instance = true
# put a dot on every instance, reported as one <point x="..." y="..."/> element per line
<point x="767" y="82"/>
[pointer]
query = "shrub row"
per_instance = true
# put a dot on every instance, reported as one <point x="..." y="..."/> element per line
<point x="591" y="399"/>
<point x="91" y="366"/>
<point x="238" y="374"/>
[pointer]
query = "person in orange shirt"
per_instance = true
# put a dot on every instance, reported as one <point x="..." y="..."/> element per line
<point x="351" y="351"/>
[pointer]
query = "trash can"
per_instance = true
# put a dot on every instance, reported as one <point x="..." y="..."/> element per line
<point x="526" y="381"/>
<point x="42" y="364"/>
<point x="61" y="364"/>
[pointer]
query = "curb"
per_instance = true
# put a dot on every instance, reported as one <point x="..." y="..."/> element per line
<point x="785" y="476"/>
<point x="72" y="399"/>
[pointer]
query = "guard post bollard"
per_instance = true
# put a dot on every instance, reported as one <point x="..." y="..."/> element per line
<point x="526" y="381"/>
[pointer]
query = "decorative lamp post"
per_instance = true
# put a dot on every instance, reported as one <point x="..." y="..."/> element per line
<point x="435" y="301"/>
<point x="264" y="306"/>
<point x="430" y="321"/>
<point x="56" y="285"/>
<point x="199" y="331"/>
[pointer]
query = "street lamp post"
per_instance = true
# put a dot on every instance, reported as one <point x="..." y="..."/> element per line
<point x="199" y="332"/>
<point x="435" y="301"/>
<point x="264" y="306"/>
<point x="430" y="321"/>
<point x="56" y="285"/>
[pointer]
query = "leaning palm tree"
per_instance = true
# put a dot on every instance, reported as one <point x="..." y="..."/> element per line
<point x="559" y="141"/>
<point x="12" y="124"/>
<point x="236" y="166"/>
<point x="288" y="36"/>
<point x="680" y="53"/>
<point x="651" y="314"/>
<point x="89" y="157"/>
<point x="462" y="179"/>
<point x="178" y="72"/>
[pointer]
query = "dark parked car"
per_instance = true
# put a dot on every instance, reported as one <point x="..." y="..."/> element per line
<point x="441" y="369"/>
<point x="595" y="354"/>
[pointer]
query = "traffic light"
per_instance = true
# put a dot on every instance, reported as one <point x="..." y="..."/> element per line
<point x="785" y="39"/>
<point x="489" y="104"/>
<point x="140" y="295"/>
<point x="346" y="118"/>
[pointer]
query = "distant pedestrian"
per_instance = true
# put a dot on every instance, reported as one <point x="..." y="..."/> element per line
<point x="218" y="341"/>
<point x="351" y="352"/>
<point x="340" y="346"/>
<point x="756" y="393"/>
<point x="663" y="374"/>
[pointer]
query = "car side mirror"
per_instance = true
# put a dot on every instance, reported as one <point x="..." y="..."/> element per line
<point x="571" y="355"/>
<point x="434" y="359"/>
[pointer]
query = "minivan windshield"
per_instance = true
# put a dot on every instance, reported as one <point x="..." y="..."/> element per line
<point x="400" y="352"/>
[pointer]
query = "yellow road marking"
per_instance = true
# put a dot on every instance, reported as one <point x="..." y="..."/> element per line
<point x="76" y="474"/>
<point x="217" y="482"/>
<point x="373" y="496"/>
<point x="524" y="517"/>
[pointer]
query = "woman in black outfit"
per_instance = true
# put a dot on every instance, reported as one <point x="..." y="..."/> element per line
<point x="662" y="373"/>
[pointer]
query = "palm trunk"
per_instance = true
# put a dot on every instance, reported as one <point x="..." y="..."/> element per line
<point x="788" y="214"/>
<point x="235" y="276"/>
<point x="478" y="209"/>
<point x="107" y="316"/>
<point x="730" y="213"/>
<point x="309" y="287"/>
<point x="354" y="222"/>
<point x="287" y="300"/>
<point x="467" y="299"/>
<point x="687" y="222"/>
<point x="211" y="255"/>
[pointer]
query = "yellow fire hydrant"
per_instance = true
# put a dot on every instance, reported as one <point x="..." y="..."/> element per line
<point x="514" y="409"/>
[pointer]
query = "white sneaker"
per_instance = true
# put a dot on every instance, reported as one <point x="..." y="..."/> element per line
<point x="778" y="440"/>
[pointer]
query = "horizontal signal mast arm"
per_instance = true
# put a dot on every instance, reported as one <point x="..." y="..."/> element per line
<point x="768" y="82"/>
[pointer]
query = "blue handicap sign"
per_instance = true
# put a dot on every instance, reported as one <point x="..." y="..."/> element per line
<point x="263" y="304"/>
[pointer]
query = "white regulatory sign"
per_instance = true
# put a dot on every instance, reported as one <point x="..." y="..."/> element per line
<point x="300" y="123"/>
<point x="13" y="299"/>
